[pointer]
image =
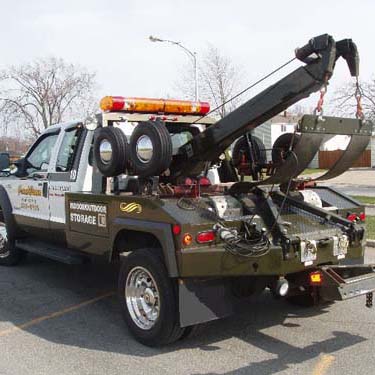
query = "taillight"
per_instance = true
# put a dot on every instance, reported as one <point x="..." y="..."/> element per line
<point x="352" y="217"/>
<point x="204" y="237"/>
<point x="176" y="229"/>
<point x="362" y="216"/>
<point x="316" y="278"/>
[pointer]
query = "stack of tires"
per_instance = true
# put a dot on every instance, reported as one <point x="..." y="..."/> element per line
<point x="148" y="153"/>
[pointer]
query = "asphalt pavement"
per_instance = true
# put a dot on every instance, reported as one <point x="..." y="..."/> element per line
<point x="58" y="319"/>
<point x="357" y="181"/>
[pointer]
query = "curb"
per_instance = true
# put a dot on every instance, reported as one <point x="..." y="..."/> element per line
<point x="370" y="243"/>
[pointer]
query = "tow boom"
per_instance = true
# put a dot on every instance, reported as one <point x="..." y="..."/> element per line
<point x="319" y="55"/>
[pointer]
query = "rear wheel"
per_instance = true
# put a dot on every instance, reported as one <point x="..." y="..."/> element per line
<point x="307" y="299"/>
<point x="9" y="254"/>
<point x="148" y="299"/>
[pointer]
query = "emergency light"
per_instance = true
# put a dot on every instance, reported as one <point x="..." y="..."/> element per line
<point x="146" y="105"/>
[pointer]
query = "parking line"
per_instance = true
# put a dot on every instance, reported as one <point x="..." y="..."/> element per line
<point x="55" y="314"/>
<point x="323" y="365"/>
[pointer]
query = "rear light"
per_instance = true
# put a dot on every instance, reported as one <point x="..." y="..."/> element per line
<point x="187" y="239"/>
<point x="316" y="278"/>
<point x="204" y="181"/>
<point x="205" y="237"/>
<point x="146" y="105"/>
<point x="176" y="229"/>
<point x="362" y="216"/>
<point x="352" y="217"/>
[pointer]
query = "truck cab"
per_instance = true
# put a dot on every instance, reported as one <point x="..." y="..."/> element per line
<point x="58" y="162"/>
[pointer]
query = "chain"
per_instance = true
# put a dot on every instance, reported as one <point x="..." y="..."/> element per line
<point x="358" y="97"/>
<point x="319" y="107"/>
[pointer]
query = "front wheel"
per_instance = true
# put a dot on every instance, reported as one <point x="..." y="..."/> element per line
<point x="148" y="299"/>
<point x="9" y="254"/>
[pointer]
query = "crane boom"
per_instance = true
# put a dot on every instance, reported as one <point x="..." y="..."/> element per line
<point x="319" y="56"/>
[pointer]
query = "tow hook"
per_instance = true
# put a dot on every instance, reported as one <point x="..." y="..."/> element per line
<point x="369" y="300"/>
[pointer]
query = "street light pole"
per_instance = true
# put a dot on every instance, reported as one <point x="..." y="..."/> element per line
<point x="192" y="54"/>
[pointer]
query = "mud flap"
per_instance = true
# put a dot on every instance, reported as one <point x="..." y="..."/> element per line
<point x="345" y="282"/>
<point x="205" y="300"/>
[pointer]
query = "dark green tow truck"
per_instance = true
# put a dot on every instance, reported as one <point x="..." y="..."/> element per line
<point x="193" y="251"/>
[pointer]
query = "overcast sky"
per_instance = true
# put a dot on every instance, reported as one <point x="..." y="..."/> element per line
<point x="111" y="37"/>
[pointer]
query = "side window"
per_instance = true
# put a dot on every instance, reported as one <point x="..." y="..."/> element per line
<point x="40" y="155"/>
<point x="67" y="152"/>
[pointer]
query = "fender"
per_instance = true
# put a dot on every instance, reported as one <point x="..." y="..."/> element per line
<point x="8" y="213"/>
<point x="162" y="231"/>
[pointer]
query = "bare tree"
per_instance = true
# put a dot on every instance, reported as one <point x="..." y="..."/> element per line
<point x="219" y="80"/>
<point x="36" y="95"/>
<point x="344" y="102"/>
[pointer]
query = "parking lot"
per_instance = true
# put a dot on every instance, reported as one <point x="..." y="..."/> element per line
<point x="65" y="320"/>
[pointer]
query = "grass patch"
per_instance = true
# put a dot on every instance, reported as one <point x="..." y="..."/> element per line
<point x="364" y="199"/>
<point x="370" y="227"/>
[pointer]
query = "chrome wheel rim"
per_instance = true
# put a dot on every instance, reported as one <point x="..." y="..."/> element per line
<point x="4" y="252"/>
<point x="144" y="149"/>
<point x="142" y="298"/>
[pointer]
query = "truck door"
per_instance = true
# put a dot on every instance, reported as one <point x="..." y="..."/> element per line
<point x="71" y="173"/>
<point x="29" y="194"/>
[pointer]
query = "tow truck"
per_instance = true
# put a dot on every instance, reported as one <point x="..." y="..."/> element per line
<point x="132" y="185"/>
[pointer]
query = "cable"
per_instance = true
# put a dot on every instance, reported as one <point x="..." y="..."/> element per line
<point x="286" y="192"/>
<point x="246" y="89"/>
<point x="249" y="243"/>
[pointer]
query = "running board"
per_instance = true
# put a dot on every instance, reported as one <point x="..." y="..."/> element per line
<point x="59" y="254"/>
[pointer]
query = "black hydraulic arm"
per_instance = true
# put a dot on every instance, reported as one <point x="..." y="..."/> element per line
<point x="319" y="55"/>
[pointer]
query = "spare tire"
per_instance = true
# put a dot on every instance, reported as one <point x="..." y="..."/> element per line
<point x="150" y="148"/>
<point x="110" y="151"/>
<point x="282" y="145"/>
<point x="241" y="147"/>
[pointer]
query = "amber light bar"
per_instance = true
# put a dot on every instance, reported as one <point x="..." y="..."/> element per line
<point x="145" y="105"/>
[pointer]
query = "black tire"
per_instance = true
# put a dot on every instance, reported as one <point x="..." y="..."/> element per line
<point x="117" y="139"/>
<point x="9" y="254"/>
<point x="166" y="328"/>
<point x="306" y="300"/>
<point x="161" y="142"/>
<point x="282" y="146"/>
<point x="241" y="147"/>
<point x="191" y="332"/>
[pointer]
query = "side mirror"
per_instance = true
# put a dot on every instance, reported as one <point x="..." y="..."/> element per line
<point x="22" y="165"/>
<point x="4" y="161"/>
